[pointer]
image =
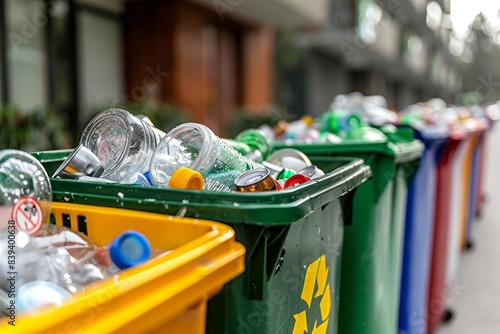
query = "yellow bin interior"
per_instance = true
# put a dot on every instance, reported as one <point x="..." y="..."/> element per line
<point x="168" y="294"/>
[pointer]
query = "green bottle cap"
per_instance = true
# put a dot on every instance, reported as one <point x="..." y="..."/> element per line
<point x="286" y="173"/>
<point x="256" y="140"/>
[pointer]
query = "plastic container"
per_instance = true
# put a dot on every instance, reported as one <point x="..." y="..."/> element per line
<point x="371" y="263"/>
<point x="419" y="232"/>
<point x="436" y="302"/>
<point x="123" y="142"/>
<point x="165" y="295"/>
<point x="293" y="239"/>
<point x="196" y="147"/>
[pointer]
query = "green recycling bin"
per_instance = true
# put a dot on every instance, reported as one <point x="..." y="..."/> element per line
<point x="293" y="241"/>
<point x="372" y="252"/>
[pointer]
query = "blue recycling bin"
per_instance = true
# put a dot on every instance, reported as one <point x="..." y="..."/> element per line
<point x="418" y="236"/>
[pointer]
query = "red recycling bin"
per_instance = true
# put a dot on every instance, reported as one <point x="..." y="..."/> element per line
<point x="436" y="303"/>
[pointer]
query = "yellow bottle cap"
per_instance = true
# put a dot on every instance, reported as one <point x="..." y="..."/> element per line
<point x="185" y="178"/>
<point x="307" y="119"/>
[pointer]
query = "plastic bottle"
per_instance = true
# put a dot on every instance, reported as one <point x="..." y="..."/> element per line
<point x="37" y="294"/>
<point x="299" y="127"/>
<point x="309" y="136"/>
<point x="339" y="122"/>
<point x="196" y="147"/>
<point x="240" y="147"/>
<point x="71" y="260"/>
<point x="59" y="261"/>
<point x="258" y="142"/>
<point x="269" y="132"/>
<point x="128" y="249"/>
<point x="22" y="176"/>
<point x="121" y="141"/>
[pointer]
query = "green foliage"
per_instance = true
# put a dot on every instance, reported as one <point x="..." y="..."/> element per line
<point x="41" y="129"/>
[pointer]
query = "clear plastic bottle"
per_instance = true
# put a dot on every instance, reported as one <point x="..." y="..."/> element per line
<point x="196" y="147"/>
<point x="70" y="259"/>
<point x="128" y="249"/>
<point x="21" y="175"/>
<point x="122" y="142"/>
<point x="299" y="127"/>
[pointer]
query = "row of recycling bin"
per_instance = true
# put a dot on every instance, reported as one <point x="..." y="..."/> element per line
<point x="368" y="248"/>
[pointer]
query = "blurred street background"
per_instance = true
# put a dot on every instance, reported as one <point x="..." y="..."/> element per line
<point x="230" y="64"/>
<point x="477" y="296"/>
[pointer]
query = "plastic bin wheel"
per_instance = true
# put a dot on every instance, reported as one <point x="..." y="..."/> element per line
<point x="448" y="316"/>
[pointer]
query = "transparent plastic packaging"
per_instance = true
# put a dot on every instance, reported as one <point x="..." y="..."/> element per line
<point x="196" y="147"/>
<point x="21" y="175"/>
<point x="122" y="142"/>
<point x="58" y="256"/>
<point x="299" y="127"/>
<point x="135" y="178"/>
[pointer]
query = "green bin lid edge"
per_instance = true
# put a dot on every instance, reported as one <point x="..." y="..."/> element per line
<point x="271" y="208"/>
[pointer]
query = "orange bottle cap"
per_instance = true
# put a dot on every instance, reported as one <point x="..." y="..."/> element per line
<point x="185" y="178"/>
<point x="307" y="119"/>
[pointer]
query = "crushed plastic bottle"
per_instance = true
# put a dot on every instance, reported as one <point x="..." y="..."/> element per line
<point x="196" y="147"/>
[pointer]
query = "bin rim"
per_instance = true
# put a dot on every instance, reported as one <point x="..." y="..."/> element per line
<point x="264" y="208"/>
<point x="403" y="151"/>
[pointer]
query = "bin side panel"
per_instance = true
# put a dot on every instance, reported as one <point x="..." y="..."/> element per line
<point x="472" y="208"/>
<point x="457" y="211"/>
<point x="302" y="289"/>
<point x="417" y="246"/>
<point x="364" y="287"/>
<point x="436" y="301"/>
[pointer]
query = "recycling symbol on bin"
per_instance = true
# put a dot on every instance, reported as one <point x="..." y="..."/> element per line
<point x="316" y="289"/>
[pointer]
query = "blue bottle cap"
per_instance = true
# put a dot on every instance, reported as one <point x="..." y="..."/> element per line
<point x="129" y="249"/>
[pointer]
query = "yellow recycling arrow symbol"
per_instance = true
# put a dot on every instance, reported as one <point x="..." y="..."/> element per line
<point x="316" y="280"/>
